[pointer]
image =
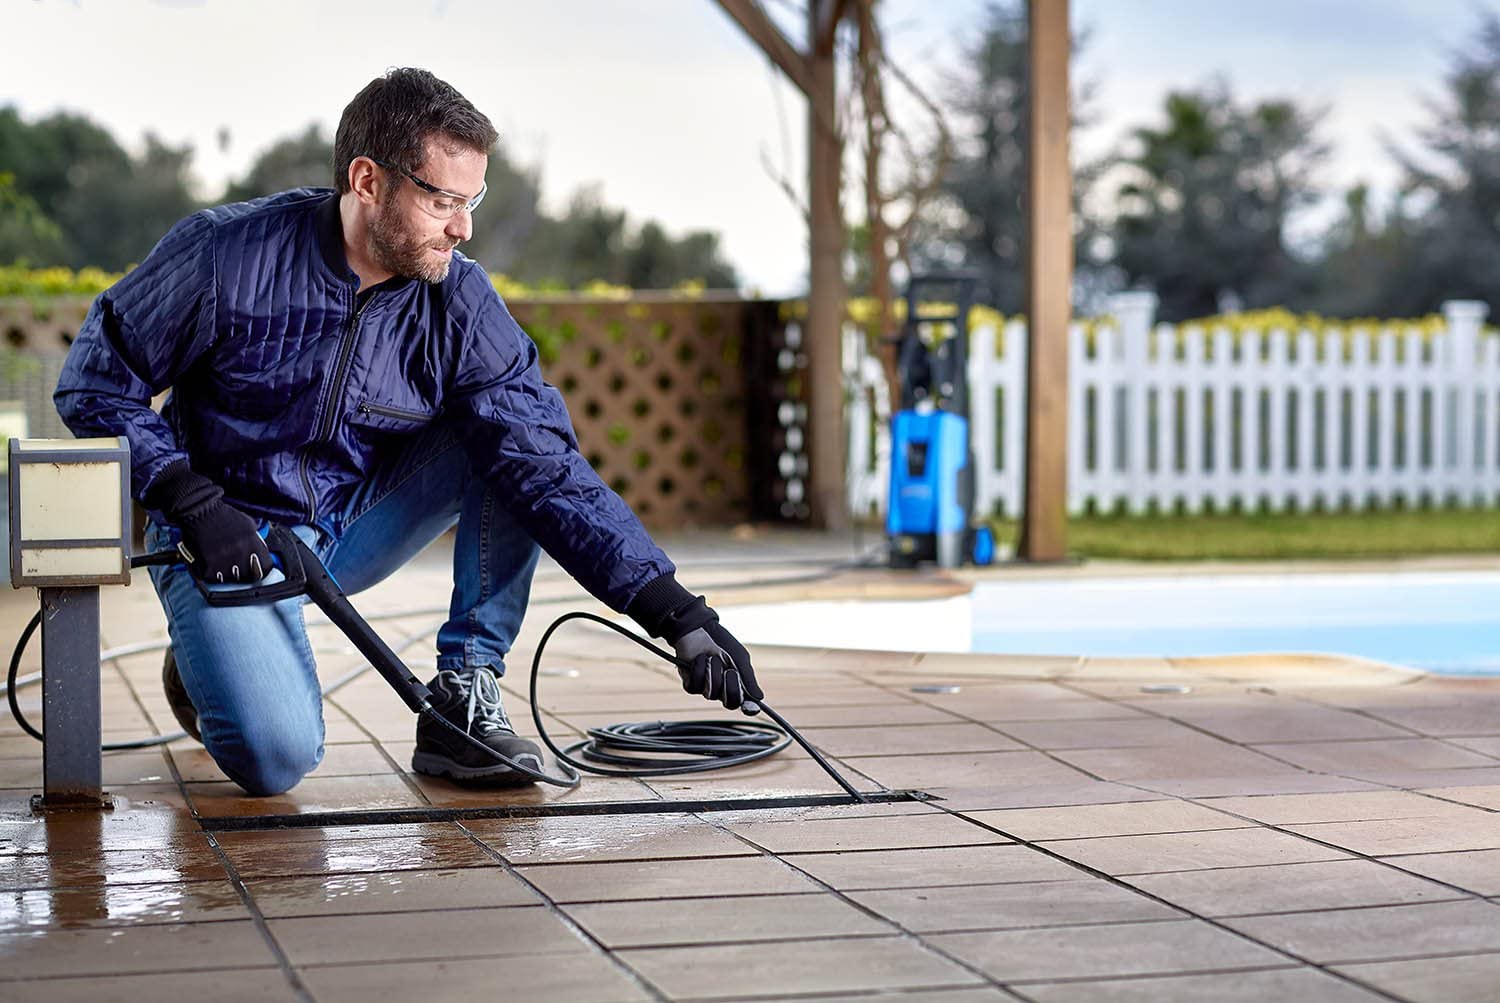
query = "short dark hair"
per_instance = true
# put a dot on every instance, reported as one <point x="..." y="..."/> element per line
<point x="395" y="115"/>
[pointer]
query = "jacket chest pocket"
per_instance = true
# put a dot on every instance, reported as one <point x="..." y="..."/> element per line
<point x="392" y="416"/>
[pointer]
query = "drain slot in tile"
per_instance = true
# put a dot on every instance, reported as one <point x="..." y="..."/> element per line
<point x="406" y="816"/>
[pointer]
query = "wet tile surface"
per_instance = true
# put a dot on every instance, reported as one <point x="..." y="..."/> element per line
<point x="658" y="879"/>
<point x="1229" y="987"/>
<point x="1283" y="830"/>
<point x="388" y="891"/>
<point x="1187" y="851"/>
<point x="1340" y="936"/>
<point x="606" y="837"/>
<point x="1106" y="950"/>
<point x="808" y="966"/>
<point x="966" y="865"/>
<point x="120" y="904"/>
<point x="1333" y="884"/>
<point x="725" y="919"/>
<point x="1449" y="979"/>
<point x="106" y="950"/>
<point x="894" y="832"/>
<point x="577" y="978"/>
<point x="358" y="856"/>
<point x="516" y="931"/>
<point x="1128" y="819"/>
<point x="1012" y="906"/>
<point x="254" y="985"/>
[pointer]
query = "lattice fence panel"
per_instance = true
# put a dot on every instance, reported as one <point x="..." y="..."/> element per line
<point x="657" y="387"/>
<point x="656" y="391"/>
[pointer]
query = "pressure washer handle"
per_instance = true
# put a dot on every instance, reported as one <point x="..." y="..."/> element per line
<point x="286" y="555"/>
<point x="328" y="597"/>
<point x="305" y="575"/>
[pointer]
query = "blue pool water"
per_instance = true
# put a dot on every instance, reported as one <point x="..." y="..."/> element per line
<point x="1446" y="622"/>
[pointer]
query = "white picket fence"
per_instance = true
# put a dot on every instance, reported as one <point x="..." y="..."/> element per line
<point x="1168" y="419"/>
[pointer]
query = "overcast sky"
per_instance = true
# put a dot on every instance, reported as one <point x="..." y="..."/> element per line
<point x="663" y="102"/>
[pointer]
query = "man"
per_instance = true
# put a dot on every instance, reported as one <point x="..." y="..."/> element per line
<point x="336" y="367"/>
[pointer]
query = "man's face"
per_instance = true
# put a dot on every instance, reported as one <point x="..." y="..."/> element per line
<point x="406" y="239"/>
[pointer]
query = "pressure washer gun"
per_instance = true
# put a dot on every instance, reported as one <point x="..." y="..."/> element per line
<point x="303" y="574"/>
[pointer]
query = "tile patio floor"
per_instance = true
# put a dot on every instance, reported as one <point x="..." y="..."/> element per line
<point x="1293" y="829"/>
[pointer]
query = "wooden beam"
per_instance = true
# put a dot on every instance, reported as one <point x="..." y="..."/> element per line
<point x="1049" y="281"/>
<point x="756" y="23"/>
<point x="826" y="17"/>
<point x="823" y="333"/>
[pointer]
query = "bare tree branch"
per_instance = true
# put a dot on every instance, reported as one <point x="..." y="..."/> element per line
<point x="785" y="184"/>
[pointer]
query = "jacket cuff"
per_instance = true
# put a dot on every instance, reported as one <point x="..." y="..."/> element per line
<point x="179" y="493"/>
<point x="662" y="608"/>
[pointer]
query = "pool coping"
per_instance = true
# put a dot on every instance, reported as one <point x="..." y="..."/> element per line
<point x="1287" y="670"/>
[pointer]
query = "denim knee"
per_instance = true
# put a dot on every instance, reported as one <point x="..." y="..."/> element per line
<point x="270" y="762"/>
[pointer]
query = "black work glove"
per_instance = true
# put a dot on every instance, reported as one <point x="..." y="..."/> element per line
<point x="714" y="665"/>
<point x="709" y="659"/>
<point x="220" y="543"/>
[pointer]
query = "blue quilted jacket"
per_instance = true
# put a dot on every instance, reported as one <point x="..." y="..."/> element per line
<point x="287" y="388"/>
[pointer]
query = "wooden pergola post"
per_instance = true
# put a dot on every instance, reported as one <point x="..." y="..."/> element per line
<point x="814" y="73"/>
<point x="1049" y="281"/>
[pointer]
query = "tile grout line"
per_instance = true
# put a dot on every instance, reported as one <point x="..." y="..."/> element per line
<point x="903" y="932"/>
<point x="1370" y="858"/>
<point x="283" y="962"/>
<point x="1026" y="746"/>
<point x="1216" y="924"/>
<point x="256" y="916"/>
<point x="1415" y="733"/>
<point x="568" y="921"/>
<point x="1297" y="767"/>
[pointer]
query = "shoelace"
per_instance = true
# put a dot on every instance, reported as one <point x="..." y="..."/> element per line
<point x="484" y="697"/>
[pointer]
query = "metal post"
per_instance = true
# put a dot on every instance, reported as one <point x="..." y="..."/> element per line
<point x="72" y="768"/>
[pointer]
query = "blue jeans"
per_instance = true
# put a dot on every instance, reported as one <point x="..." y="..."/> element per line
<point x="249" y="669"/>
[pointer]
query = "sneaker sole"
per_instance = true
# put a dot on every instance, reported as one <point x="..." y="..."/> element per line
<point x="178" y="701"/>
<point x="434" y="765"/>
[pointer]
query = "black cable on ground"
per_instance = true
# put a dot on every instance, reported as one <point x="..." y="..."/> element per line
<point x="32" y="730"/>
<point x="694" y="746"/>
<point x="640" y="749"/>
<point x="10" y="676"/>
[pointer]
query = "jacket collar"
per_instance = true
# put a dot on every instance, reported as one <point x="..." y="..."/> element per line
<point x="331" y="238"/>
<point x="330" y="228"/>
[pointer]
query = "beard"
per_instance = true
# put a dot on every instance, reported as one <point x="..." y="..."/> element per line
<point x="397" y="248"/>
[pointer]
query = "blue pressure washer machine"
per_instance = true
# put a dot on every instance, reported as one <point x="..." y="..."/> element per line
<point x="930" y="508"/>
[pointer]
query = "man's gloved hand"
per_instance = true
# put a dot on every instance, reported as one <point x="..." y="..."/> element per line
<point x="710" y="661"/>
<point x="220" y="543"/>
<point x="717" y="667"/>
<point x="223" y="544"/>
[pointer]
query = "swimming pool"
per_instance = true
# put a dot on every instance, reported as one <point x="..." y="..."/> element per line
<point x="1441" y="621"/>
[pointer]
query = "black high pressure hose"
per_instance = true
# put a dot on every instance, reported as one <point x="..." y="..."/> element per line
<point x="639" y="749"/>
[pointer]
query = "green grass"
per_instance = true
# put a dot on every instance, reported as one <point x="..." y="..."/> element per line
<point x="1278" y="537"/>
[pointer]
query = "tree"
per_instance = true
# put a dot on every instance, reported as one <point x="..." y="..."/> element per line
<point x="45" y="156"/>
<point x="109" y="208"/>
<point x="295" y="162"/>
<point x="113" y="220"/>
<point x="27" y="236"/>
<point x="1202" y="217"/>
<point x="894" y="199"/>
<point x="979" y="224"/>
<point x="1446" y="249"/>
<point x="510" y="215"/>
<point x="591" y="240"/>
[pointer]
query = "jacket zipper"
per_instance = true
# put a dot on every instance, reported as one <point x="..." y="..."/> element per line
<point x="366" y="407"/>
<point x="335" y="391"/>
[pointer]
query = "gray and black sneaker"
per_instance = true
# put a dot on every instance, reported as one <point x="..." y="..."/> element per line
<point x="177" y="697"/>
<point x="472" y="703"/>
